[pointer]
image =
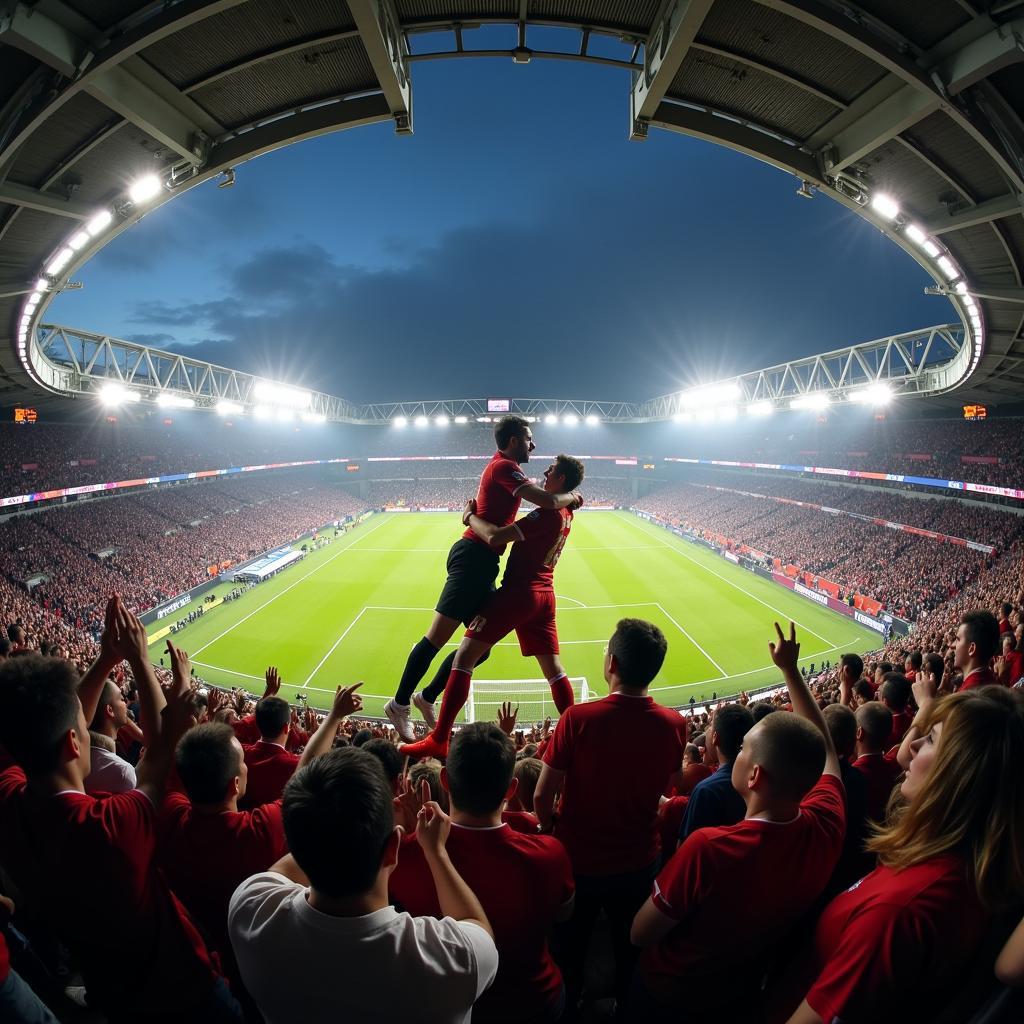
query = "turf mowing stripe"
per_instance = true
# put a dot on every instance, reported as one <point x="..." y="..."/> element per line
<point x="334" y="647"/>
<point x="725" y="579"/>
<point x="281" y="593"/>
<point x="229" y="671"/>
<point x="692" y="641"/>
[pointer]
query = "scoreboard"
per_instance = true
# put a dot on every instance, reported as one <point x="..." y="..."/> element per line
<point x="25" y="415"/>
<point x="975" y="412"/>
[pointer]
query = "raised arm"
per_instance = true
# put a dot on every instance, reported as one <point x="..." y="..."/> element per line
<point x="90" y="687"/>
<point x="544" y="499"/>
<point x="346" y="702"/>
<point x="548" y="785"/>
<point x="785" y="654"/>
<point x="176" y="716"/>
<point x="493" y="534"/>
<point x="925" y="689"/>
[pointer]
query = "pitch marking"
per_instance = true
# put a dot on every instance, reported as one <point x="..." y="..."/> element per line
<point x="334" y="647"/>
<point x="692" y="641"/>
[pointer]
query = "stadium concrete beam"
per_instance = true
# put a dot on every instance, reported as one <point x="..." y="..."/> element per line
<point x="381" y="31"/>
<point x="1000" y="47"/>
<point x="46" y="202"/>
<point x="675" y="28"/>
<point x="982" y="213"/>
<point x="101" y="55"/>
<point x="49" y="41"/>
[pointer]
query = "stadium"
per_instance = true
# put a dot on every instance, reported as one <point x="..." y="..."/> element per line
<point x="320" y="694"/>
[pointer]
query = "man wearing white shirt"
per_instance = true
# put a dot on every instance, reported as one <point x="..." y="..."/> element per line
<point x="109" y="773"/>
<point x="322" y="913"/>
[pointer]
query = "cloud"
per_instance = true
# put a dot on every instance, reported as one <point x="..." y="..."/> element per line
<point x="155" y="340"/>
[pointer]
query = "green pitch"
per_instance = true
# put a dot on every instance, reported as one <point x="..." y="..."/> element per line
<point x="354" y="609"/>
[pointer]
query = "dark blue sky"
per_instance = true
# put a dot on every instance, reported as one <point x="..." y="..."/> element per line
<point x="517" y="244"/>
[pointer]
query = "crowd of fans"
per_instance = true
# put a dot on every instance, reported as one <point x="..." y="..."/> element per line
<point x="860" y="557"/>
<point x="259" y="859"/>
<point x="448" y="493"/>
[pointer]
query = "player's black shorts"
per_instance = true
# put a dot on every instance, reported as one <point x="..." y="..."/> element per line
<point x="472" y="570"/>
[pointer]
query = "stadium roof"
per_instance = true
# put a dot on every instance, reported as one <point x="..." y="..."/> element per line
<point x="905" y="111"/>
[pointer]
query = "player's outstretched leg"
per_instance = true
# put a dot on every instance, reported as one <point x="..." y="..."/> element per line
<point x="416" y="665"/>
<point x="456" y="693"/>
<point x="424" y="700"/>
<point x="561" y="688"/>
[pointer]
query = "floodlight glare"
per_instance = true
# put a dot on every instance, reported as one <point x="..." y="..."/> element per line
<point x="946" y="266"/>
<point x="175" y="402"/>
<point x="483" y="419"/>
<point x="570" y="419"/>
<point x="115" y="394"/>
<point x="262" y="412"/>
<point x="34" y="298"/>
<point x="60" y="261"/>
<point x="78" y="240"/>
<point x="99" y="222"/>
<point x="421" y="421"/>
<point x="228" y="409"/>
<point x="915" y="234"/>
<point x="461" y="419"/>
<point x="284" y="415"/>
<point x="551" y="420"/>
<point x="726" y="413"/>
<point x="399" y="421"/>
<point x="961" y="287"/>
<point x="144" y="189"/>
<point x="712" y="395"/>
<point x="592" y="420"/>
<point x="812" y="402"/>
<point x="442" y="420"/>
<point x="931" y="248"/>
<point x="885" y="206"/>
<point x="765" y="408"/>
<point x="682" y="417"/>
<point x="313" y="417"/>
<point x="42" y="284"/>
<point x="278" y="394"/>
<point x="874" y="394"/>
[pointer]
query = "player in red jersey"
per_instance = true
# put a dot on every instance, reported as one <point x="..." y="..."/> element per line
<point x="524" y="603"/>
<point x="473" y="561"/>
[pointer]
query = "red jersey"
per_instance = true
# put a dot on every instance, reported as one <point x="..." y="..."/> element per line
<point x="1014" y="662"/>
<point x="618" y="754"/>
<point x="521" y="821"/>
<point x="521" y="881"/>
<point x="89" y="865"/>
<point x="270" y="767"/>
<point x="894" y="945"/>
<point x="880" y="774"/>
<point x="497" y="497"/>
<point x="724" y="882"/>
<point x="542" y="535"/>
<point x="901" y="723"/>
<point x="979" y="677"/>
<point x="5" y="960"/>
<point x="205" y="857"/>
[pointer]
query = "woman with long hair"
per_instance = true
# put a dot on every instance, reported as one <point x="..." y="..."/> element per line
<point x="896" y="945"/>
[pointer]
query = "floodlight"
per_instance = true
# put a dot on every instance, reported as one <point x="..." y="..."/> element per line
<point x="483" y="419"/>
<point x="551" y="419"/>
<point x="284" y="415"/>
<point x="570" y="419"/>
<point x="442" y="420"/>
<point x="961" y="287"/>
<point x="99" y="222"/>
<point x="931" y="248"/>
<point x="683" y="417"/>
<point x="60" y="261"/>
<point x="461" y="419"/>
<point x="313" y="417"/>
<point x="262" y="412"/>
<point x="175" y="401"/>
<point x="878" y="393"/>
<point x="144" y="189"/>
<point x="115" y="394"/>
<point x="35" y="297"/>
<point x="705" y="416"/>
<point x="421" y="421"/>
<point x="592" y="420"/>
<point x="78" y="240"/>
<point x="42" y="284"/>
<point x="765" y="408"/>
<point x="946" y="266"/>
<point x="818" y="400"/>
<point x="885" y="206"/>
<point x="727" y="413"/>
<point x="279" y="394"/>
<point x="915" y="234"/>
<point x="399" y="421"/>
<point x="225" y="408"/>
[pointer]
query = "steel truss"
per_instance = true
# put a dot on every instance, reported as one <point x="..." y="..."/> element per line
<point x="925" y="362"/>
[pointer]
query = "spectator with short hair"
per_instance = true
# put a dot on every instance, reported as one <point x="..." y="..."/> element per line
<point x="109" y="773"/>
<point x="894" y="693"/>
<point x="608" y="815"/>
<point x="863" y="692"/>
<point x="53" y="835"/>
<point x="1009" y="667"/>
<point x="977" y="643"/>
<point x="524" y="882"/>
<point x="762" y="709"/>
<point x="714" y="801"/>
<point x="693" y="772"/>
<point x="874" y="729"/>
<point x="842" y="727"/>
<point x="716" y="911"/>
<point x="320" y="915"/>
<point x="390" y="759"/>
<point x="893" y="948"/>
<point x="269" y="763"/>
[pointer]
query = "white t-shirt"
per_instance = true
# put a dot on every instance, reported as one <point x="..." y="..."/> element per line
<point x="302" y="965"/>
<point x="108" y="773"/>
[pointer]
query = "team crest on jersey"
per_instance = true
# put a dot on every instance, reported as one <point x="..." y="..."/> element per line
<point x="519" y="476"/>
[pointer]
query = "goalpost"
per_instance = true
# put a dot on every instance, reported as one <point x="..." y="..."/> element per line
<point x="532" y="695"/>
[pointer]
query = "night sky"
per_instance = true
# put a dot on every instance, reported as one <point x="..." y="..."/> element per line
<point x="518" y="244"/>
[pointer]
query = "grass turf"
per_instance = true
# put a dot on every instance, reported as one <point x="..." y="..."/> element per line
<point x="354" y="609"/>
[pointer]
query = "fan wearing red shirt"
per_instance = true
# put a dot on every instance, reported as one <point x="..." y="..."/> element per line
<point x="611" y="759"/>
<point x="473" y="565"/>
<point x="1005" y="611"/>
<point x="717" y="910"/>
<point x="1010" y="667"/>
<point x="977" y="643"/>
<point x="894" y="693"/>
<point x="524" y="882"/>
<point x="693" y="771"/>
<point x="269" y="763"/>
<point x="896" y="946"/>
<point x="525" y="603"/>
<point x="89" y="862"/>
<point x="874" y="727"/>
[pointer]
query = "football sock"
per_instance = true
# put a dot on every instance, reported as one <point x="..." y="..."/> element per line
<point x="456" y="693"/>
<point x="561" y="693"/>
<point x="416" y="665"/>
<point x="444" y="670"/>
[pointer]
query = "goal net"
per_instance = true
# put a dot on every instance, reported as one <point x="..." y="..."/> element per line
<point x="532" y="695"/>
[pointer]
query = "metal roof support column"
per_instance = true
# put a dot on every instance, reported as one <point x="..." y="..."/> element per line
<point x="381" y="31"/>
